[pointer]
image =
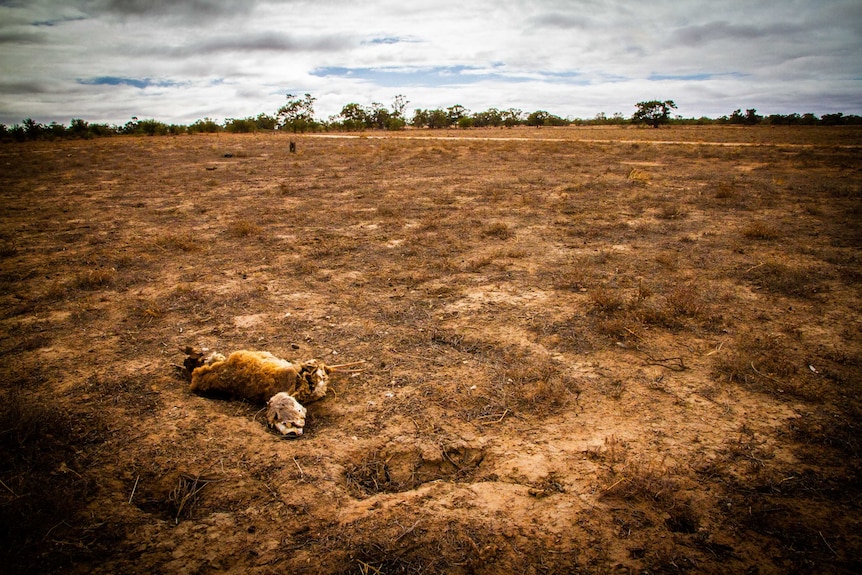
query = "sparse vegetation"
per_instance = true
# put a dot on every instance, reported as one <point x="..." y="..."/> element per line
<point x="580" y="356"/>
<point x="297" y="115"/>
<point x="243" y="229"/>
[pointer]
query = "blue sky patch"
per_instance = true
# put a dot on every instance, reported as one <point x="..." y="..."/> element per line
<point x="139" y="83"/>
<point x="693" y="77"/>
<point x="56" y="21"/>
<point x="688" y="77"/>
<point x="384" y="40"/>
<point x="432" y="76"/>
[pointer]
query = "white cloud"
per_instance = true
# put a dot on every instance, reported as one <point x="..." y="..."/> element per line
<point x="179" y="60"/>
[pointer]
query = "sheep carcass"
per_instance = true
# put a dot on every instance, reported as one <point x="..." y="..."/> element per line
<point x="261" y="377"/>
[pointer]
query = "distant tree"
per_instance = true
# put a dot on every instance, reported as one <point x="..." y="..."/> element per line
<point x="435" y="119"/>
<point x="56" y="131"/>
<point x="839" y="119"/>
<point x="101" y="130"/>
<point x="207" y="126"/>
<point x="378" y="116"/>
<point x="399" y="104"/>
<point x="512" y="117"/>
<point x="266" y="122"/>
<point x="809" y="119"/>
<point x="78" y="128"/>
<point x="155" y="128"/>
<point x="240" y="125"/>
<point x="33" y="129"/>
<point x="653" y="112"/>
<point x="537" y="118"/>
<point x="395" y="123"/>
<point x="455" y="113"/>
<point x="783" y="120"/>
<point x="554" y="120"/>
<point x="438" y="119"/>
<point x="832" y="119"/>
<point x="130" y="126"/>
<point x="353" y="117"/>
<point x="18" y="133"/>
<point x="420" y="118"/>
<point x="750" y="117"/>
<point x="543" y="118"/>
<point x="492" y="117"/>
<point x="298" y="114"/>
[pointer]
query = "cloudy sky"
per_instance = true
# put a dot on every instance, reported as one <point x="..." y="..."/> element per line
<point x="181" y="60"/>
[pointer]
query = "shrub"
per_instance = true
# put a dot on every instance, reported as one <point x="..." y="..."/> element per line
<point x="499" y="230"/>
<point x="781" y="279"/>
<point x="243" y="229"/>
<point x="760" y="230"/>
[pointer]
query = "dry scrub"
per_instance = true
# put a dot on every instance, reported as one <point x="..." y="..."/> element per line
<point x="586" y="352"/>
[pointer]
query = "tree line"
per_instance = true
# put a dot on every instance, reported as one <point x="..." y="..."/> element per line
<point x="297" y="115"/>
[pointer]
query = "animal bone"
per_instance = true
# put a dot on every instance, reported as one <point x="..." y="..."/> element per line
<point x="261" y="377"/>
<point x="285" y="414"/>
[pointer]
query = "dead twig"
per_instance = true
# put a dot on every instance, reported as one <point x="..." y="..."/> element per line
<point x="134" y="488"/>
<point x="621" y="479"/>
<point x="827" y="543"/>
<point x="671" y="363"/>
<point x="301" y="473"/>
<point x="761" y="374"/>
<point x="492" y="416"/>
<point x="753" y="267"/>
<point x="338" y="368"/>
<point x="716" y="350"/>
<point x="185" y="494"/>
<point x="418" y="521"/>
<point x="633" y="333"/>
<point x="9" y="489"/>
<point x="366" y="569"/>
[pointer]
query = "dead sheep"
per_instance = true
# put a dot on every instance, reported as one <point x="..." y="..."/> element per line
<point x="262" y="378"/>
<point x="258" y="375"/>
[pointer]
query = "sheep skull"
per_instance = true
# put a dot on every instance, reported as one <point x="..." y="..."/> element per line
<point x="285" y="414"/>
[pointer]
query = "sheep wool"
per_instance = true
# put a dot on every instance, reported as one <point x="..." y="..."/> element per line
<point x="258" y="375"/>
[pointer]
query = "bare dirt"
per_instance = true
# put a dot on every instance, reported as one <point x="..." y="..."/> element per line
<point x="587" y="352"/>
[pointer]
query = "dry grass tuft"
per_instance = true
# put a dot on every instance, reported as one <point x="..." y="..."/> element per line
<point x="94" y="279"/>
<point x="606" y="300"/>
<point x="672" y="211"/>
<point x="781" y="279"/>
<point x="498" y="230"/>
<point x="768" y="363"/>
<point x="760" y="230"/>
<point x="527" y="380"/>
<point x="8" y="249"/>
<point x="638" y="177"/>
<point x="183" y="241"/>
<point x="371" y="476"/>
<point x="187" y="494"/>
<point x="243" y="229"/>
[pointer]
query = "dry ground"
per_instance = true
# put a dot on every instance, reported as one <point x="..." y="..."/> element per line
<point x="587" y="352"/>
